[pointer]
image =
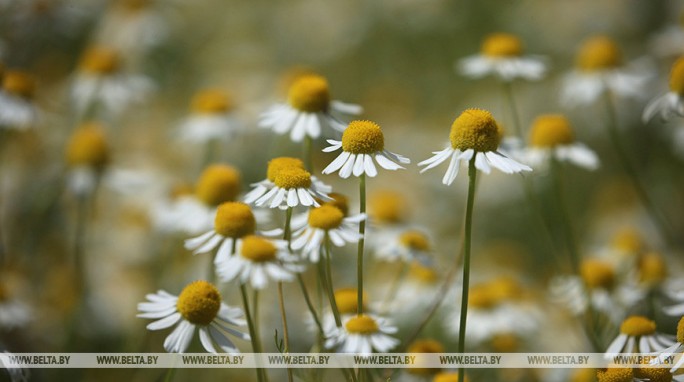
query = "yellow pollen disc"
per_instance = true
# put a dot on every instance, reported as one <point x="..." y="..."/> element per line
<point x="597" y="274"/>
<point x="628" y="240"/>
<point x="505" y="288"/>
<point x="361" y="324"/>
<point x="309" y="93"/>
<point x="615" y="374"/>
<point x="293" y="177"/>
<point x="481" y="297"/>
<point x="19" y="83"/>
<point x="234" y="220"/>
<point x="680" y="331"/>
<point x="422" y="273"/>
<point x="415" y="240"/>
<point x="218" y="183"/>
<point x="652" y="268"/>
<point x="211" y="101"/>
<point x="347" y="300"/>
<point x="424" y="346"/>
<point x="277" y="164"/>
<point x="363" y="137"/>
<point x="388" y="207"/>
<point x="653" y="374"/>
<point x="502" y="45"/>
<point x="88" y="146"/>
<point x="447" y="376"/>
<point x="598" y="53"/>
<point x="181" y="189"/>
<point x="258" y="250"/>
<point x="583" y="375"/>
<point x="551" y="130"/>
<point x="340" y="201"/>
<point x="637" y="326"/>
<point x="325" y="217"/>
<point x="475" y="129"/>
<point x="100" y="60"/>
<point x="199" y="303"/>
<point x="677" y="76"/>
<point x="505" y="343"/>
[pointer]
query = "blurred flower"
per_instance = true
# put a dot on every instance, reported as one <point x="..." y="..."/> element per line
<point x="325" y="220"/>
<point x="448" y="376"/>
<point x="676" y="349"/>
<point x="671" y="103"/>
<point x="473" y="133"/>
<point x="361" y="142"/>
<point x="309" y="109"/>
<point x="87" y="155"/>
<point x="410" y="245"/>
<point x="211" y="118"/>
<point x="17" y="110"/>
<point x="669" y="41"/>
<point x="198" y="306"/>
<point x="638" y="335"/>
<point x="16" y="374"/>
<point x="422" y="346"/>
<point x="257" y="260"/>
<point x="362" y="334"/>
<point x="600" y="68"/>
<point x="347" y="301"/>
<point x="13" y="312"/>
<point x="641" y="374"/>
<point x="501" y="54"/>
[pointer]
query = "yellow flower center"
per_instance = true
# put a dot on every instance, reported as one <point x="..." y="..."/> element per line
<point x="199" y="303"/>
<point x="615" y="374"/>
<point x="218" y="184"/>
<point x="19" y="83"/>
<point x="309" y="93"/>
<point x="234" y="220"/>
<point x="447" y="376"/>
<point x="583" y="375"/>
<point x="100" y="60"/>
<point x="388" y="207"/>
<point x="422" y="273"/>
<point x="211" y="101"/>
<point x="347" y="300"/>
<point x="363" y="137"/>
<point x="499" y="45"/>
<point x="424" y="346"/>
<point x="325" y="217"/>
<point x="637" y="326"/>
<point x="598" y="53"/>
<point x="677" y="76"/>
<point x="293" y="177"/>
<point x="277" y="164"/>
<point x="258" y="249"/>
<point x="362" y="324"/>
<point x="652" y="268"/>
<point x="505" y="288"/>
<point x="338" y="200"/>
<point x="88" y="146"/>
<point x="505" y="343"/>
<point x="680" y="331"/>
<point x="653" y="374"/>
<point x="628" y="240"/>
<point x="597" y="274"/>
<point x="415" y="240"/>
<point x="481" y="297"/>
<point x="475" y="129"/>
<point x="550" y="131"/>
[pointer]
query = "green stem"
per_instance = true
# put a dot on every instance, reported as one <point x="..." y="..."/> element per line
<point x="309" y="304"/>
<point x="362" y="233"/>
<point x="252" y="332"/>
<point x="308" y="154"/>
<point x="79" y="239"/>
<point x="170" y="374"/>
<point x="328" y="276"/>
<point x="565" y="216"/>
<point x="508" y="90"/>
<point x="472" y="176"/>
<point x="287" y="235"/>
<point x="286" y="232"/>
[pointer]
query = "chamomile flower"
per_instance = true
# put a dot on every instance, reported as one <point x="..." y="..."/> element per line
<point x="362" y="142"/>
<point x="388" y="217"/>
<point x="17" y="110"/>
<point x="552" y="138"/>
<point x="671" y="103"/>
<point x="308" y="110"/>
<point x="326" y="220"/>
<point x="211" y="118"/>
<point x="13" y="312"/>
<point x="347" y="303"/>
<point x="641" y="374"/>
<point x="198" y="306"/>
<point x="277" y="187"/>
<point x="410" y="245"/>
<point x="257" y="260"/>
<point x="101" y="82"/>
<point x="599" y="68"/>
<point x="422" y="346"/>
<point x="87" y="154"/>
<point x="638" y="335"/>
<point x="475" y="133"/>
<point x="362" y="334"/>
<point x="677" y="348"/>
<point x="501" y="54"/>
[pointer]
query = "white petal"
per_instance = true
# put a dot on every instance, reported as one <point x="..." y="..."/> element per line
<point x="337" y="163"/>
<point x="164" y="322"/>
<point x="346" y="170"/>
<point x="358" y="164"/>
<point x="206" y="340"/>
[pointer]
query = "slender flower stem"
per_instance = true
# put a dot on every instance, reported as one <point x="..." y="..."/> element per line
<point x="394" y="286"/>
<point x="656" y="215"/>
<point x="170" y="374"/>
<point x="508" y="90"/>
<point x="328" y="277"/>
<point x="308" y="154"/>
<point x="565" y="216"/>
<point x="79" y="238"/>
<point x="472" y="176"/>
<point x="281" y="300"/>
<point x="362" y="233"/>
<point x="310" y="305"/>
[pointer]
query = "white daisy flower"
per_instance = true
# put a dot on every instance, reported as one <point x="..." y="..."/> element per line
<point x="257" y="260"/>
<point x="17" y="110"/>
<point x="87" y="155"/>
<point x="211" y="118"/>
<point x="362" y="142"/>
<point x="641" y="374"/>
<point x="308" y="111"/>
<point x="198" y="306"/>
<point x="676" y="349"/>
<point x="16" y="373"/>
<point x="347" y="302"/>
<point x="600" y="69"/>
<point x="415" y="292"/>
<point x="671" y="103"/>
<point x="13" y="312"/>
<point x="501" y="54"/>
<point x="362" y="335"/>
<point x="326" y="220"/>
<point x="552" y="137"/>
<point x="409" y="245"/>
<point x="474" y="134"/>
<point x="100" y="82"/>
<point x="638" y="335"/>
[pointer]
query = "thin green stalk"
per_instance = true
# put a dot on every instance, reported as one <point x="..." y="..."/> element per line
<point x="362" y="233"/>
<point x="328" y="276"/>
<point x="565" y="216"/>
<point x="281" y="300"/>
<point x="252" y="332"/>
<point x="394" y="286"/>
<point x="79" y="239"/>
<point x="656" y="215"/>
<point x="302" y="286"/>
<point x="508" y="90"/>
<point x="170" y="374"/>
<point x="472" y="176"/>
<point x="308" y="154"/>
